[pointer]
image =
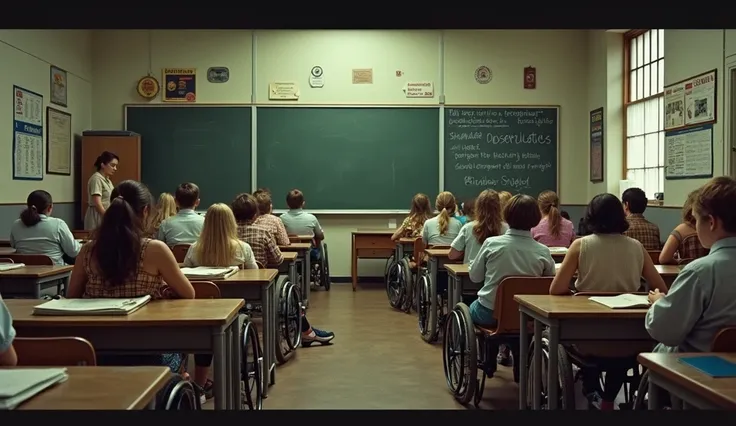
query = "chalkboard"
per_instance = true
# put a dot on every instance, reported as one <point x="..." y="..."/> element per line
<point x="349" y="158"/>
<point x="208" y="145"/>
<point x="503" y="148"/>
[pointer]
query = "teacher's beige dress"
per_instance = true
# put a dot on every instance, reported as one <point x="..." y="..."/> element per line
<point x="97" y="184"/>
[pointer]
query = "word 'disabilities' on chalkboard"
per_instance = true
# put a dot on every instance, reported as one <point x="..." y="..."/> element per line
<point x="503" y="148"/>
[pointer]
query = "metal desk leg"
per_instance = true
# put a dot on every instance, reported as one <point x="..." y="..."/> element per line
<point x="432" y="322"/>
<point x="235" y="361"/>
<point x="524" y="356"/>
<point x="537" y="367"/>
<point x="308" y="274"/>
<point x="269" y="343"/>
<point x="451" y="291"/>
<point x="655" y="395"/>
<point x="220" y="371"/>
<point x="399" y="252"/>
<point x="292" y="273"/>
<point x="229" y="368"/>
<point x="552" y="369"/>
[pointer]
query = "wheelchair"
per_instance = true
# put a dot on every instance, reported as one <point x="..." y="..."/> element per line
<point x="251" y="369"/>
<point x="399" y="283"/>
<point x="178" y="394"/>
<point x="290" y="309"/>
<point x="430" y="332"/>
<point x="320" y="273"/>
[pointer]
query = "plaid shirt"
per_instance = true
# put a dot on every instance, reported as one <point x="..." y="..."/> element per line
<point x="275" y="226"/>
<point x="644" y="231"/>
<point x="262" y="243"/>
<point x="690" y="247"/>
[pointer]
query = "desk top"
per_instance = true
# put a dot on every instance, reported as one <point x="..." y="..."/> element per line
<point x="379" y="231"/>
<point x="34" y="271"/>
<point x="289" y="256"/>
<point x="179" y="312"/>
<point x="249" y="276"/>
<point x="407" y="240"/>
<point x="102" y="388"/>
<point x="573" y="307"/>
<point x="296" y="247"/>
<point x="459" y="269"/>
<point x="721" y="391"/>
<point x="438" y="252"/>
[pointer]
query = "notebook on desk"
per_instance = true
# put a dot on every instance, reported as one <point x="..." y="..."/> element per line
<point x="75" y="307"/>
<point x="20" y="384"/>
<point x="622" y="301"/>
<point x="10" y="266"/>
<point x="204" y="272"/>
<point x="712" y="365"/>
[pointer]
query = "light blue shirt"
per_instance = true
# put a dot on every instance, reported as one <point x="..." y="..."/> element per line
<point x="51" y="237"/>
<point x="7" y="332"/>
<point x="183" y="228"/>
<point x="467" y="242"/>
<point x="299" y="222"/>
<point x="431" y="231"/>
<point x="514" y="253"/>
<point x="700" y="302"/>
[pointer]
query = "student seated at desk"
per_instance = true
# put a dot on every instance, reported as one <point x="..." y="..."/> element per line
<point x="647" y="233"/>
<point x="267" y="252"/>
<point x="165" y="208"/>
<point x="269" y="221"/>
<point x="683" y="242"/>
<point x="185" y="227"/>
<point x="8" y="357"/>
<point x="443" y="228"/>
<point x="298" y="222"/>
<point x="413" y="224"/>
<point x="606" y="261"/>
<point x="466" y="213"/>
<point x="702" y="300"/>
<point x="36" y="232"/>
<point x="218" y="245"/>
<point x="553" y="230"/>
<point x="488" y="223"/>
<point x="120" y="262"/>
<point x="504" y="197"/>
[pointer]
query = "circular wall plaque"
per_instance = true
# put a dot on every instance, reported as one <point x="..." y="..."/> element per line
<point x="148" y="87"/>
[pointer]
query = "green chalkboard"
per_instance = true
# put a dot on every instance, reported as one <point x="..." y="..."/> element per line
<point x="207" y="145"/>
<point x="349" y="158"/>
<point x="502" y="148"/>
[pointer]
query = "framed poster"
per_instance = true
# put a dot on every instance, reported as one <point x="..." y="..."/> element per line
<point x="180" y="85"/>
<point x="58" y="86"/>
<point x="58" y="142"/>
<point x="691" y="102"/>
<point x="27" y="134"/>
<point x="596" y="145"/>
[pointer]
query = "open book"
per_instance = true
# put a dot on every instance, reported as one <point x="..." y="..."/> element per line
<point x="623" y="301"/>
<point x="558" y="250"/>
<point x="205" y="272"/>
<point x="9" y="266"/>
<point x="20" y="384"/>
<point x="91" y="306"/>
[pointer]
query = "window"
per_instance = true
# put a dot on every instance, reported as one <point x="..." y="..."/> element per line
<point x="644" y="109"/>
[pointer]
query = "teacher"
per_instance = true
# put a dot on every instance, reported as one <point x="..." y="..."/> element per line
<point x="99" y="188"/>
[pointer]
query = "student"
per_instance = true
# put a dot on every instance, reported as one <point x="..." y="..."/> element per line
<point x="185" y="227"/>
<point x="466" y="212"/>
<point x="119" y="262"/>
<point x="605" y="261"/>
<point x="267" y="252"/>
<point x="488" y="223"/>
<point x="647" y="233"/>
<point x="413" y="224"/>
<point x="553" y="230"/>
<point x="443" y="228"/>
<point x="165" y="208"/>
<point x="268" y="220"/>
<point x="683" y="242"/>
<point x="261" y="241"/>
<point x="702" y="300"/>
<point x="504" y="197"/>
<point x="8" y="357"/>
<point x="298" y="222"/>
<point x="36" y="232"/>
<point x="218" y="245"/>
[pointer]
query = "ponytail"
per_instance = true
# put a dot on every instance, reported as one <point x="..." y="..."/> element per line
<point x="30" y="216"/>
<point x="443" y="220"/>
<point x="554" y="219"/>
<point x="38" y="202"/>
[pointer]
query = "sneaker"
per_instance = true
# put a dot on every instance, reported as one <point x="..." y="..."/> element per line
<point x="205" y="392"/>
<point x="317" y="335"/>
<point x="504" y="357"/>
<point x="594" y="400"/>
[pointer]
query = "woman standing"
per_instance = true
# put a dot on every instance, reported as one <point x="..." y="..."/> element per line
<point x="99" y="188"/>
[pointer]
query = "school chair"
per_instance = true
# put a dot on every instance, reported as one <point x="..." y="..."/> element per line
<point x="180" y="251"/>
<point x="54" y="351"/>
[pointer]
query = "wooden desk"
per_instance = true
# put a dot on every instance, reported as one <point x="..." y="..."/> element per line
<point x="288" y="266"/>
<point x="568" y="318"/>
<point x="437" y="258"/>
<point x="30" y="281"/>
<point x="4" y="242"/>
<point x="459" y="282"/>
<point x="687" y="383"/>
<point x="303" y="251"/>
<point x="162" y="326"/>
<point x="6" y="250"/>
<point x="301" y="238"/>
<point x="370" y="244"/>
<point x="102" y="388"/>
<point x="258" y="284"/>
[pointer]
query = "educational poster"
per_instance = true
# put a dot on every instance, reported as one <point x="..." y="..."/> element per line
<point x="691" y="102"/>
<point x="58" y="86"/>
<point x="596" y="145"/>
<point x="58" y="142"/>
<point x="689" y="153"/>
<point x="27" y="135"/>
<point x="180" y="85"/>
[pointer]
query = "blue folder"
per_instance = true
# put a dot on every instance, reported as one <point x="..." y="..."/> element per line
<point x="713" y="366"/>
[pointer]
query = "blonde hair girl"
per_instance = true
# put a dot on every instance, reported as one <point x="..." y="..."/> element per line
<point x="165" y="208"/>
<point x="218" y="244"/>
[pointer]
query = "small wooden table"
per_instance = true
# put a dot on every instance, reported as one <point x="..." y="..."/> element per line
<point x="568" y="318"/>
<point x="162" y="326"/>
<point x="30" y="281"/>
<point x="102" y="388"/>
<point x="301" y="238"/>
<point x="370" y="244"/>
<point x="458" y="282"/>
<point x="288" y="266"/>
<point x="304" y="254"/>
<point x="404" y="247"/>
<point x="258" y="284"/>
<point x="687" y="383"/>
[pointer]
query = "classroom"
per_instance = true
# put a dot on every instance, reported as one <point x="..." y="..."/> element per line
<point x="360" y="121"/>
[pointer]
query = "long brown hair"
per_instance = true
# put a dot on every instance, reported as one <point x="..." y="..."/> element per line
<point x="487" y="215"/>
<point x="549" y="204"/>
<point x="446" y="205"/>
<point x="504" y="196"/>
<point x="687" y="209"/>
<point x="468" y="208"/>
<point x="421" y="210"/>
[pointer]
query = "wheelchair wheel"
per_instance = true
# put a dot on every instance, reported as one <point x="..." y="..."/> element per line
<point x="290" y="322"/>
<point x="407" y="282"/>
<point x="640" y="402"/>
<point x="251" y="370"/>
<point x="424" y="304"/>
<point x="459" y="354"/>
<point x="395" y="286"/>
<point x="389" y="262"/>
<point x="566" y="382"/>
<point x="179" y="395"/>
<point x="325" y="277"/>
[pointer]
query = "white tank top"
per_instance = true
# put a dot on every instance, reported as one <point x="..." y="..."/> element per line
<point x="610" y="263"/>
